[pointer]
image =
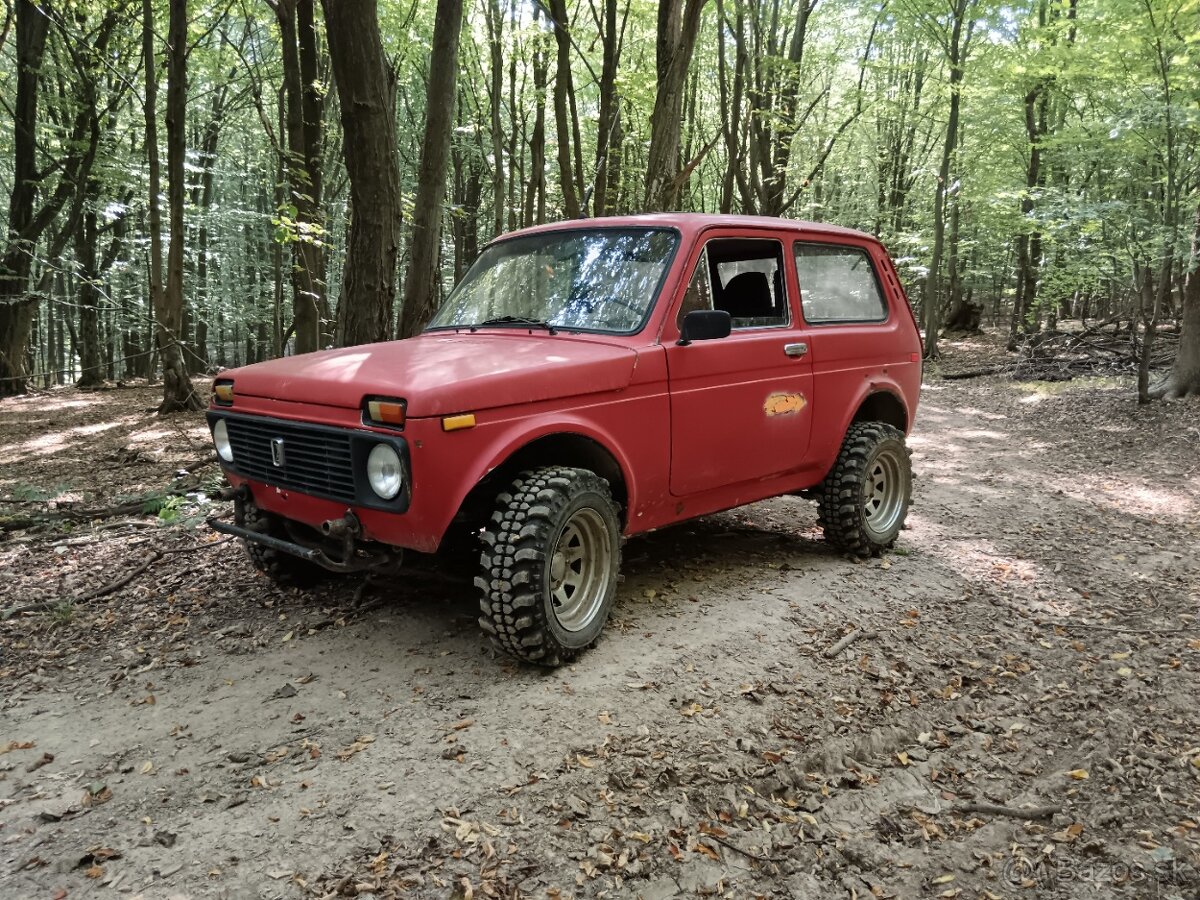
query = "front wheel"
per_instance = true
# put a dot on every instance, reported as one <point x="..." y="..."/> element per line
<point x="550" y="561"/>
<point x="864" y="499"/>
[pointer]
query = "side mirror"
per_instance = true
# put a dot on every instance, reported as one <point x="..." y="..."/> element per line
<point x="705" y="325"/>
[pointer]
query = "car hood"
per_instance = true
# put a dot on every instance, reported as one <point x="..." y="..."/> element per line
<point x="440" y="373"/>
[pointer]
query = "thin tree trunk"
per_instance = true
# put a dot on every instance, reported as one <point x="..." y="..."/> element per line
<point x="563" y="88"/>
<point x="90" y="372"/>
<point x="932" y="296"/>
<point x="303" y="170"/>
<point x="423" y="279"/>
<point x="609" y="106"/>
<point x="495" y="24"/>
<point x="535" y="191"/>
<point x="177" y="386"/>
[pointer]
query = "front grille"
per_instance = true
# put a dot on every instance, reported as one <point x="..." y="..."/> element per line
<point x="316" y="461"/>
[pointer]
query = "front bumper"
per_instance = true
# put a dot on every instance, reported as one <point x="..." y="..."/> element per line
<point x="352" y="555"/>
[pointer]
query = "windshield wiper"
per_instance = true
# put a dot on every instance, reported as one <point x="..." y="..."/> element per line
<point x="517" y="320"/>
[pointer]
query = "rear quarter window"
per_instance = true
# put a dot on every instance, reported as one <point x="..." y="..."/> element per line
<point x="838" y="285"/>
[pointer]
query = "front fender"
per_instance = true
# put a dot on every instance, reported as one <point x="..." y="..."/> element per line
<point x="632" y="427"/>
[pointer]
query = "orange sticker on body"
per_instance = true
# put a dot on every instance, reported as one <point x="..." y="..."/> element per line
<point x="784" y="404"/>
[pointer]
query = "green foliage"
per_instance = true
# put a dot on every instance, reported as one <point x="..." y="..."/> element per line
<point x="62" y="613"/>
<point x="1120" y="145"/>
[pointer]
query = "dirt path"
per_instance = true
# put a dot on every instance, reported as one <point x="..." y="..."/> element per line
<point x="1032" y="642"/>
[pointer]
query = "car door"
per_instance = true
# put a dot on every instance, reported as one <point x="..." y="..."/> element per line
<point x="740" y="405"/>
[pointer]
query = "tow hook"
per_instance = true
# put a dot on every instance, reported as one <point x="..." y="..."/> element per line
<point x="346" y="525"/>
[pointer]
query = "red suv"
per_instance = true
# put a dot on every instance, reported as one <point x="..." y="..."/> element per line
<point x="585" y="382"/>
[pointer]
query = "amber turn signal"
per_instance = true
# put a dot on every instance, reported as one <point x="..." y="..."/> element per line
<point x="223" y="390"/>
<point x="457" y="423"/>
<point x="386" y="412"/>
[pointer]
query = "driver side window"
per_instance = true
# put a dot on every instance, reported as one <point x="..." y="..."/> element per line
<point x="743" y="277"/>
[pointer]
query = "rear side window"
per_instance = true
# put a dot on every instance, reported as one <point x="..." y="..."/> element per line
<point x="838" y="284"/>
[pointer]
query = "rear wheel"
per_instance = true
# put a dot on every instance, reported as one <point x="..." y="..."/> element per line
<point x="282" y="568"/>
<point x="865" y="499"/>
<point x="550" y="561"/>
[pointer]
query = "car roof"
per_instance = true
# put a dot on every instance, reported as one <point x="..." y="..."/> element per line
<point x="691" y="223"/>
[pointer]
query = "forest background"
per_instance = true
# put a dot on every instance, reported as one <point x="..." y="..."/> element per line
<point x="195" y="185"/>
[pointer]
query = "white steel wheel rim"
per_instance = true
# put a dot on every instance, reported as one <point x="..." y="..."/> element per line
<point x="579" y="570"/>
<point x="884" y="491"/>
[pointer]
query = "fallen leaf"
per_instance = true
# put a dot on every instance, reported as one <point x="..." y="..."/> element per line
<point x="1078" y="774"/>
<point x="583" y="760"/>
<point x="357" y="747"/>
<point x="943" y="879"/>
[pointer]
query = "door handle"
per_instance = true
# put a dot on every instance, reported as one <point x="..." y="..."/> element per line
<point x="795" y="350"/>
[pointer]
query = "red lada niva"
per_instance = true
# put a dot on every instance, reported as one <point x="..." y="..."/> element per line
<point x="586" y="381"/>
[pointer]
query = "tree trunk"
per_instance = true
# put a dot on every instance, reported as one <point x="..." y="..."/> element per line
<point x="177" y="386"/>
<point x="298" y="53"/>
<point x="1184" y="378"/>
<point x="609" y="107"/>
<point x="931" y="305"/>
<point x="366" y="88"/>
<point x="90" y="371"/>
<point x="678" y="26"/>
<point x="495" y="25"/>
<point x="422" y="282"/>
<point x="563" y="88"/>
<point x="535" y="191"/>
<point x="17" y="309"/>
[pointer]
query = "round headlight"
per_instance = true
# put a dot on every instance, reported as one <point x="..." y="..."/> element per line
<point x="384" y="471"/>
<point x="221" y="440"/>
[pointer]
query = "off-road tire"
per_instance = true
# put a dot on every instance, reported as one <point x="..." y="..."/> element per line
<point x="843" y="495"/>
<point x="282" y="568"/>
<point x="520" y="542"/>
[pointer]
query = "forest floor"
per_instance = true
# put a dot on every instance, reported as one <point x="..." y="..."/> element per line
<point x="1032" y="644"/>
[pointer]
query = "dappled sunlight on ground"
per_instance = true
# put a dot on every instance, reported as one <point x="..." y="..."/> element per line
<point x="54" y="441"/>
<point x="1126" y="495"/>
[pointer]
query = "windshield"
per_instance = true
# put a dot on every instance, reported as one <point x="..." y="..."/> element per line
<point x="596" y="279"/>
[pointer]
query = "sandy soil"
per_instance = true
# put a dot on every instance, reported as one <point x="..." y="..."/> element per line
<point x="1032" y="643"/>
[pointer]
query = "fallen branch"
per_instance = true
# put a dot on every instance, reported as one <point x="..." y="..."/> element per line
<point x="737" y="849"/>
<point x="846" y="641"/>
<point x="109" y="588"/>
<point x="1012" y="812"/>
<point x="198" y="464"/>
<point x="974" y="373"/>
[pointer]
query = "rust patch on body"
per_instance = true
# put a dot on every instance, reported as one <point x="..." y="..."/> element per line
<point x="784" y="404"/>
